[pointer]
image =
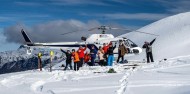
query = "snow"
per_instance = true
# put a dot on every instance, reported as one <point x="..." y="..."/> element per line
<point x="162" y="77"/>
<point x="59" y="82"/>
<point x="170" y="77"/>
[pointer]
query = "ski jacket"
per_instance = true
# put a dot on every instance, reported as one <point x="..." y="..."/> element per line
<point x="122" y="50"/>
<point x="81" y="52"/>
<point x="148" y="46"/>
<point x="105" y="48"/>
<point x="68" y="55"/>
<point x="86" y="58"/>
<point x="101" y="54"/>
<point x="93" y="53"/>
<point x="111" y="49"/>
<point x="75" y="56"/>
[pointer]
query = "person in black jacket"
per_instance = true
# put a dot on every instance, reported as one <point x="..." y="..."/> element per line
<point x="110" y="54"/>
<point x="68" y="58"/>
<point x="148" y="47"/>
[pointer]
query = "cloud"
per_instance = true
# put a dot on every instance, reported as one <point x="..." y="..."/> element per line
<point x="2" y="18"/>
<point x="28" y="3"/>
<point x="177" y="6"/>
<point x="4" y="45"/>
<point x="30" y="18"/>
<point x="128" y="16"/>
<point x="80" y="2"/>
<point x="51" y="31"/>
<point x="2" y="37"/>
<point x="136" y="16"/>
<point x="38" y="16"/>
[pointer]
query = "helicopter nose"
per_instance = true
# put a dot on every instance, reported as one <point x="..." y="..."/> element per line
<point x="137" y="50"/>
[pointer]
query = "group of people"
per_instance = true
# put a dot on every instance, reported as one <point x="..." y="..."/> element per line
<point x="105" y="55"/>
<point x="76" y="56"/>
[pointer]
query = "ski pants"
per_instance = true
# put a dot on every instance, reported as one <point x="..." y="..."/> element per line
<point x="81" y="62"/>
<point x="101" y="63"/>
<point x="93" y="60"/>
<point x="110" y="60"/>
<point x="149" y="57"/>
<point x="122" y="58"/>
<point x="76" y="66"/>
<point x="68" y="62"/>
<point x="106" y="58"/>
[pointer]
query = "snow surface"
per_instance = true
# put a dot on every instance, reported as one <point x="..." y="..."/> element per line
<point x="61" y="82"/>
<point x="166" y="77"/>
<point x="162" y="77"/>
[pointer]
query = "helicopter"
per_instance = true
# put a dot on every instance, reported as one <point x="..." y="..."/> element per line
<point x="96" y="40"/>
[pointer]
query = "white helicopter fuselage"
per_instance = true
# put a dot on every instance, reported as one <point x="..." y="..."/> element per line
<point x="115" y="41"/>
<point x="94" y="39"/>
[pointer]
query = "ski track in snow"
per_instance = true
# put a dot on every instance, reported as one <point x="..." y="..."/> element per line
<point x="37" y="86"/>
<point x="61" y="90"/>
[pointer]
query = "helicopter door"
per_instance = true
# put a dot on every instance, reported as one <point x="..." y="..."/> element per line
<point x="126" y="43"/>
<point x="130" y="45"/>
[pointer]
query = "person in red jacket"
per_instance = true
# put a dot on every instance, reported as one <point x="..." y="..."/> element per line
<point x="81" y="55"/>
<point x="87" y="58"/>
<point x="105" y="48"/>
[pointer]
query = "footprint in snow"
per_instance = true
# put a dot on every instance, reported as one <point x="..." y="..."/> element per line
<point x="37" y="86"/>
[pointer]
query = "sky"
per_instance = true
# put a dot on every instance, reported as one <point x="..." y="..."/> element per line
<point x="46" y="20"/>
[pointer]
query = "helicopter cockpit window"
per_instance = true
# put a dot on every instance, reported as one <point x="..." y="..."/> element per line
<point x="126" y="43"/>
<point x="131" y="44"/>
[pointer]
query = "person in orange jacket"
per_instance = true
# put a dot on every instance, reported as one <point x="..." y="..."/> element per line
<point x="81" y="55"/>
<point x="75" y="59"/>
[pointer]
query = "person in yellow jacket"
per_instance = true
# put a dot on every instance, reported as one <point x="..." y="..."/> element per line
<point x="76" y="60"/>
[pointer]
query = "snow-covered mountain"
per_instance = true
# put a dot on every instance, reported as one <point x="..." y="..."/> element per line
<point x="173" y="39"/>
<point x="18" y="60"/>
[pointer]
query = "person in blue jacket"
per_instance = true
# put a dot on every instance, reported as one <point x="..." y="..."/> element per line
<point x="110" y="54"/>
<point x="68" y="58"/>
<point x="93" y="53"/>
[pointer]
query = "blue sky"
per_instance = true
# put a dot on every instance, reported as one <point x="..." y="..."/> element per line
<point x="132" y="14"/>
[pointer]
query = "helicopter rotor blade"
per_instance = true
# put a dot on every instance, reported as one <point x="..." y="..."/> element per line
<point x="146" y="33"/>
<point x="69" y="32"/>
<point x="93" y="28"/>
<point x="103" y="28"/>
<point x="113" y="28"/>
<point x="140" y="32"/>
